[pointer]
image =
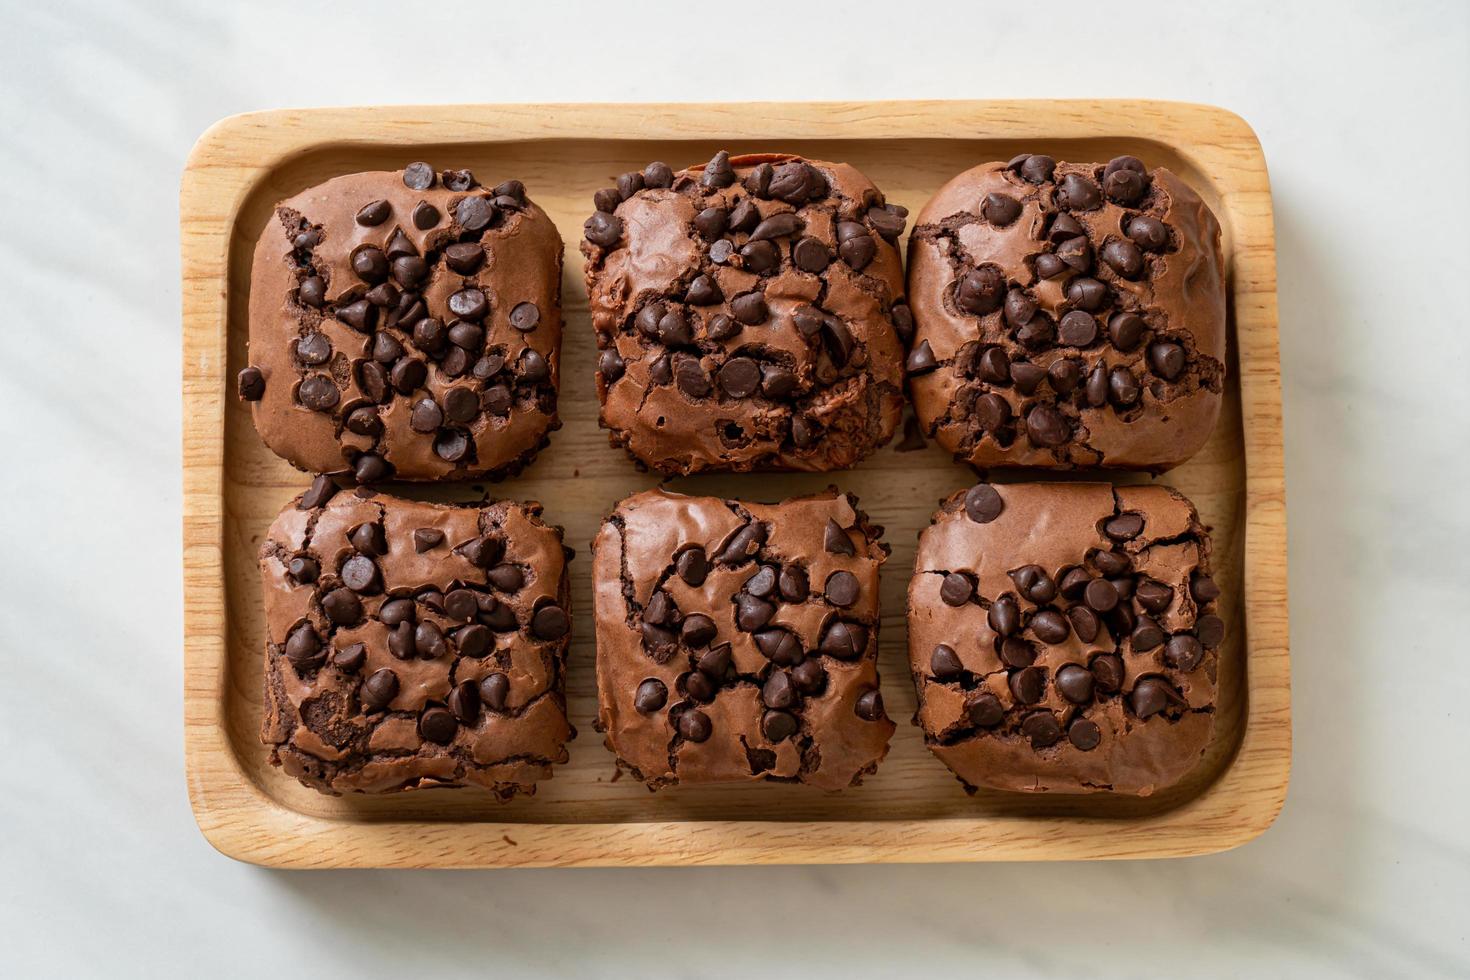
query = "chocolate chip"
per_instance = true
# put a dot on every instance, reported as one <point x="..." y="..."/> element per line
<point x="658" y="174"/>
<point x="1166" y="359"/>
<point x="779" y="646"/>
<point x="985" y="710"/>
<point x="921" y="360"/>
<point x="318" y="393"/>
<point x="1004" y="616"/>
<point x="1037" y="334"/>
<point x="1211" y="630"/>
<point x="532" y="367"/>
<point x="312" y="291"/>
<point x="855" y="246"/>
<point x="1084" y="734"/>
<point x="351" y="658"/>
<point x="426" y="416"/>
<point x="981" y="291"/>
<point x="835" y="539"/>
<point x="651" y="695"/>
<point x="809" y="676"/>
<point x="692" y="566"/>
<point x="740" y="377"/>
<point x="1049" y="266"/>
<point x="469" y="304"/>
<point x="697" y="630"/>
<point x="888" y="221"/>
<point x="1146" y="635"/>
<point x="703" y="291"/>
<point x="1077" y="329"/>
<point x="550" y="622"/>
<point x="1050" y="626"/>
<point x="749" y="308"/>
<point x="464" y="702"/>
<point x="760" y="258"/>
<point x="374" y="213"/>
<point x="1076" y="253"/>
<point x="779" y="225"/>
<point x="1034" y="584"/>
<point x="1148" y="233"/>
<point x="426" y="538"/>
<point x="396" y="611"/>
<point x="438" y="725"/>
<point x="1015" y="652"/>
<point x="842" y="589"/>
<point x="720" y="251"/>
<point x="1123" y="257"/>
<point x="1028" y="685"/>
<point x="428" y="640"/>
<point x="1153" y="596"/>
<point x="777" y="382"/>
<point x="303" y="569"/>
<point x="407" y="375"/>
<point x="461" y="404"/>
<point x="1096" y="389"/>
<point x="370" y="264"/>
<point x="379" y="690"/>
<point x="694" y="725"/>
<point x="1046" y="426"/>
<point x="321" y="490"/>
<point x="743" y="543"/>
<point x="1034" y="168"/>
<point x="994" y="366"/>
<point x="869" y="706"/>
<point x="419" y="176"/>
<point x="507" y="577"/>
<point x="957" y="589"/>
<point x="751" y="613"/>
<point x="744" y="217"/>
<point x="1125" y="186"/>
<point x="629" y="184"/>
<point x="1202" y="588"/>
<point x="1124" y="527"/>
<point x="718" y="173"/>
<point x="603" y="230"/>
<point x="461" y="604"/>
<point x="370" y="468"/>
<point x="1125" y="330"/>
<point x="475" y="213"/>
<point x="1100" y="595"/>
<point x="792" y="182"/>
<point x="304" y="647"/>
<point x="610" y="365"/>
<point x="1085" y="623"/>
<point x="843" y="640"/>
<point x="1042" y="728"/>
<point x="425" y="216"/>
<point x="1077" y="193"/>
<point x="691" y="377"/>
<point x="1075" y="683"/>
<point x="495" y="691"/>
<point x="464" y="257"/>
<point x="945" y="664"/>
<point x="1184" y="652"/>
<point x="1107" y="672"/>
<point x="251" y="384"/>
<point x="1000" y="209"/>
<point x="1152" y="695"/>
<point x="810" y="255"/>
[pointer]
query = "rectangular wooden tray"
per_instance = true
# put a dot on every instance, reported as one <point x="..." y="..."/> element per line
<point x="913" y="809"/>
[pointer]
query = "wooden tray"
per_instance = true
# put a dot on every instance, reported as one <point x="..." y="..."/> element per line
<point x="913" y="809"/>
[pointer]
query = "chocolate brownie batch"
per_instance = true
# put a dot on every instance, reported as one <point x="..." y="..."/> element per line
<point x="751" y="314"/>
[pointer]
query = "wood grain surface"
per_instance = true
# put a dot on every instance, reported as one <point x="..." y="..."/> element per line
<point x="913" y="809"/>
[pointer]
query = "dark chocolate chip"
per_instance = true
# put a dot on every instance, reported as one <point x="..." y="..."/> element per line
<point x="312" y="291"/>
<point x="507" y="577"/>
<point x="843" y="640"/>
<point x="419" y="176"/>
<point x="1100" y="595"/>
<point x="1146" y="635"/>
<point x="855" y="246"/>
<point x="983" y="503"/>
<point x="396" y="611"/>
<point x="629" y="183"/>
<point x="370" y="468"/>
<point x="1049" y="266"/>
<point x="869" y="706"/>
<point x="810" y="255"/>
<point x="1042" y="728"/>
<point x="370" y="264"/>
<point x="1085" y="623"/>
<point x="692" y="566"/>
<point x="1078" y="193"/>
<point x="495" y="691"/>
<point x="718" y="173"/>
<point x="1152" y="695"/>
<point x="921" y="360"/>
<point x="751" y="613"/>
<point x="1166" y="359"/>
<point x="1184" y="652"/>
<point x="525" y="316"/>
<point x="532" y="367"/>
<point x="437" y="725"/>
<point x="1034" y="168"/>
<point x="1004" y="616"/>
<point x="1087" y="293"/>
<point x="651" y="695"/>
<point x="810" y="677"/>
<point x="464" y="257"/>
<point x="318" y="393"/>
<point x="957" y="589"/>
<point x="429" y="642"/>
<point x="1050" y="626"/>
<point x="603" y="230"/>
<point x="426" y="216"/>
<point x="1124" y="527"/>
<point x="703" y="291"/>
<point x="760" y="258"/>
<point x="697" y="630"/>
<point x="1148" y="233"/>
<point x="1045" y="426"/>
<point x="379" y="690"/>
<point x="461" y="404"/>
<point x="740" y="377"/>
<point x="658" y="174"/>
<point x="1016" y="652"/>
<point x="1153" y="596"/>
<point x="1123" y="257"/>
<point x="610" y="365"/>
<point x="469" y="304"/>
<point x="464" y="702"/>
<point x="743" y="543"/>
<point x="1000" y="209"/>
<point x="691" y="377"/>
<point x="945" y="664"/>
<point x="550" y="623"/>
<point x="694" y="725"/>
<point x="303" y="569"/>
<point x="778" y="691"/>
<point x="777" y="726"/>
<point x="1028" y="685"/>
<point x="779" y="646"/>
<point x="749" y="308"/>
<point x="351" y="658"/>
<point x="985" y="710"/>
<point x="251" y="384"/>
<point x="321" y="490"/>
<point x="779" y="225"/>
<point x="1107" y="672"/>
<point x="1125" y="330"/>
<point x="1034" y="584"/>
<point x="835" y="539"/>
<point x="1211" y="630"/>
<point x="407" y="375"/>
<point x="842" y="589"/>
<point x="1077" y="329"/>
<point x="1125" y="187"/>
<point x="1084" y="734"/>
<point x="888" y="221"/>
<point x="426" y="416"/>
<point x="1075" y="683"/>
<point x="981" y="291"/>
<point x="1202" y="588"/>
<point x="304" y="647"/>
<point x="475" y="213"/>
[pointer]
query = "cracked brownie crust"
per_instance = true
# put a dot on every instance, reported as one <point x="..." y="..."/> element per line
<point x="739" y="641"/>
<point x="406" y="324"/>
<point x="413" y="645"/>
<point x="1067" y="315"/>
<point x="748" y="313"/>
<point x="1063" y="637"/>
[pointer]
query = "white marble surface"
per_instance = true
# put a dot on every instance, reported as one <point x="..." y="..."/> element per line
<point x="1363" y="111"/>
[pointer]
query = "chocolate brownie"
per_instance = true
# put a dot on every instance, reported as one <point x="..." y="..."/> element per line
<point x="1067" y="315"/>
<point x="1063" y="637"/>
<point x="406" y="324"/>
<point x="414" y="645"/>
<point x="748" y="314"/>
<point x="739" y="641"/>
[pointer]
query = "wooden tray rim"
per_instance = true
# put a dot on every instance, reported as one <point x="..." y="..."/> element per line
<point x="238" y="819"/>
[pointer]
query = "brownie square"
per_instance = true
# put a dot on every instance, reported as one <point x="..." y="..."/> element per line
<point x="406" y="324"/>
<point x="413" y="645"/>
<point x="1063" y="637"/>
<point x="1067" y="315"/>
<point x="739" y="641"/>
<point x="748" y="314"/>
